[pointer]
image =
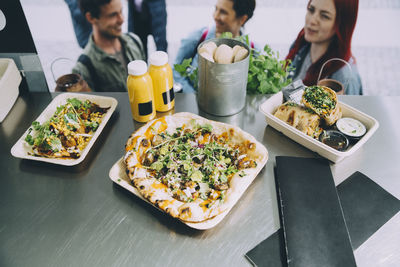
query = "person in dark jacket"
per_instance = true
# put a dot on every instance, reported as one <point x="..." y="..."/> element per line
<point x="229" y="16"/>
<point x="82" y="27"/>
<point x="149" y="17"/>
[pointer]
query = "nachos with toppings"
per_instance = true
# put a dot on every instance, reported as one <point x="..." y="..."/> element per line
<point x="190" y="167"/>
<point x="66" y="134"/>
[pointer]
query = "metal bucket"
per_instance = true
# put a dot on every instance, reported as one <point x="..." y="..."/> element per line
<point x="222" y="87"/>
<point x="236" y="119"/>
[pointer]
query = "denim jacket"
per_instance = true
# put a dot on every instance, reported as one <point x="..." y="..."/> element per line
<point x="188" y="49"/>
<point x="350" y="79"/>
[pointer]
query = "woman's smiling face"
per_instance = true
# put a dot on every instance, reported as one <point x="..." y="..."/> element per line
<point x="225" y="18"/>
<point x="320" y="21"/>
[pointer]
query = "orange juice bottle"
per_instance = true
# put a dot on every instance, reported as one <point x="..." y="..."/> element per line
<point x="140" y="90"/>
<point x="161" y="75"/>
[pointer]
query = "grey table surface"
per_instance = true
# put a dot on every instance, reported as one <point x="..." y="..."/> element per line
<point x="75" y="216"/>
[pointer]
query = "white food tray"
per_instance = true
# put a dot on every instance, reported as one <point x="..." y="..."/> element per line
<point x="22" y="149"/>
<point x="9" y="85"/>
<point x="118" y="175"/>
<point x="269" y="107"/>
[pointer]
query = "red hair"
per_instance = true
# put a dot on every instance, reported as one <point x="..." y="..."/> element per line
<point x="340" y="46"/>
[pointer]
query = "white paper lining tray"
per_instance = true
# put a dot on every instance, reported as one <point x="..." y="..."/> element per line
<point x="22" y="149"/>
<point x="269" y="107"/>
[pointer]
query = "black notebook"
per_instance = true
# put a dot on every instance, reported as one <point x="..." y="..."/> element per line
<point x="366" y="207"/>
<point x="312" y="220"/>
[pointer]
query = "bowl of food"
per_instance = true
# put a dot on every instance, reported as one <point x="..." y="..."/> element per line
<point x="334" y="139"/>
<point x="352" y="128"/>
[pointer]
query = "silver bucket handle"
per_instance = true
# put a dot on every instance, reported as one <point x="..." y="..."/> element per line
<point x="339" y="59"/>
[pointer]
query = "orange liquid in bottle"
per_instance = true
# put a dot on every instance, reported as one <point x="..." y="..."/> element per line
<point x="140" y="90"/>
<point x="161" y="75"/>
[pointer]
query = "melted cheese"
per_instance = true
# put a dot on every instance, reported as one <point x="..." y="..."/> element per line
<point x="133" y="144"/>
<point x="158" y="185"/>
<point x="204" y="204"/>
<point x="158" y="126"/>
<point x="204" y="139"/>
<point x="224" y="135"/>
<point x="138" y="164"/>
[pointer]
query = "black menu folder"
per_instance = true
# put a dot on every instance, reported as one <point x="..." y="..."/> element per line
<point x="270" y="252"/>
<point x="366" y="207"/>
<point x="314" y="228"/>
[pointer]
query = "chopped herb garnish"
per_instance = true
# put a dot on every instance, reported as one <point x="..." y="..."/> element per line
<point x="192" y="160"/>
<point x="67" y="132"/>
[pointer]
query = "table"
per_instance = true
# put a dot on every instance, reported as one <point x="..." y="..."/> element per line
<point x="75" y="216"/>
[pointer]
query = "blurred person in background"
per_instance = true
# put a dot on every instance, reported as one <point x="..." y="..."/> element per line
<point x="103" y="63"/>
<point x="229" y="16"/>
<point x="149" y="17"/>
<point x="327" y="34"/>
<point x="82" y="27"/>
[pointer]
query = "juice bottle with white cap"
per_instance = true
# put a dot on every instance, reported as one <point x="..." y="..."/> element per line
<point x="140" y="90"/>
<point x="161" y="75"/>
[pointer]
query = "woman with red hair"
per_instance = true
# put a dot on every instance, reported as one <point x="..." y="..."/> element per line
<point x="327" y="34"/>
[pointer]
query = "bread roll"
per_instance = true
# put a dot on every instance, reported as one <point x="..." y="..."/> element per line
<point x="208" y="48"/>
<point x="223" y="54"/>
<point x="207" y="56"/>
<point x="235" y="49"/>
<point x="240" y="54"/>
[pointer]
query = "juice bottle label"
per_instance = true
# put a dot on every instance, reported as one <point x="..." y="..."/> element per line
<point x="168" y="96"/>
<point x="145" y="108"/>
<point x="164" y="97"/>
